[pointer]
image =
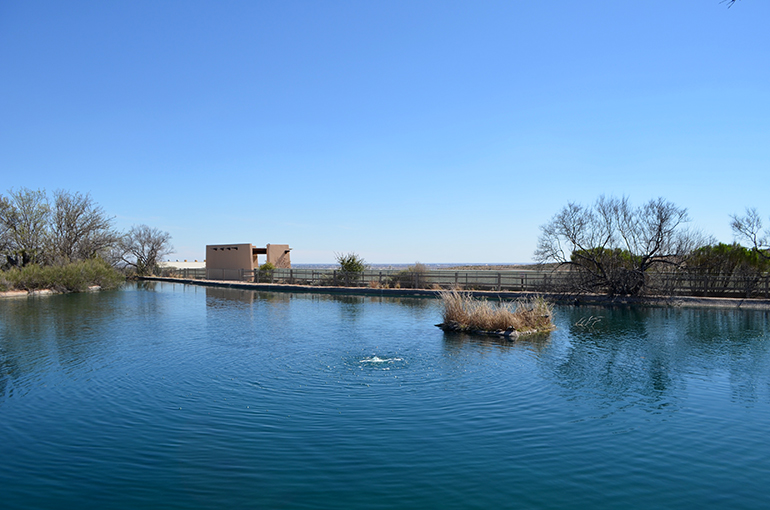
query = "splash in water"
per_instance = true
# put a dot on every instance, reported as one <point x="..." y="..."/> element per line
<point x="375" y="359"/>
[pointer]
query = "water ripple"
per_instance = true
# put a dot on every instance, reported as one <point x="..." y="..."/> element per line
<point x="179" y="397"/>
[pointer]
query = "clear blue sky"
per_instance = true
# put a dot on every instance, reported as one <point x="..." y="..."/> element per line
<point x="402" y="130"/>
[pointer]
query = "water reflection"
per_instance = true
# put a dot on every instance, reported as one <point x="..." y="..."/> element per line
<point x="456" y="340"/>
<point x="50" y="339"/>
<point x="351" y="308"/>
<point x="638" y="355"/>
<point x="354" y="301"/>
<point x="37" y="334"/>
<point x="739" y="341"/>
<point x="138" y="388"/>
<point x="215" y="295"/>
<point x="652" y="354"/>
<point x="148" y="285"/>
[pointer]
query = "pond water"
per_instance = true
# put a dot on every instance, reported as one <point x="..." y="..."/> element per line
<point x="172" y="396"/>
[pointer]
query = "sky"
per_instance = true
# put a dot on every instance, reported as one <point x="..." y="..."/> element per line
<point x="403" y="131"/>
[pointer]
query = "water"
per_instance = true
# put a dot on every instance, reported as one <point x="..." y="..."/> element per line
<point x="166" y="396"/>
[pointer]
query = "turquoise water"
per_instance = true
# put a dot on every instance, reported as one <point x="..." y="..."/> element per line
<point x="171" y="396"/>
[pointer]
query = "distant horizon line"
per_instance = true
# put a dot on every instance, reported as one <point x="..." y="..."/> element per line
<point x="380" y="264"/>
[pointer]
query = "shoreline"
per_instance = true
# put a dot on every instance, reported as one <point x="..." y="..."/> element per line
<point x="560" y="299"/>
<point x="39" y="292"/>
<point x="584" y="299"/>
<point x="27" y="293"/>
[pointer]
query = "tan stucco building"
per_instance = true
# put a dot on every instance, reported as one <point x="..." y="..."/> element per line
<point x="228" y="261"/>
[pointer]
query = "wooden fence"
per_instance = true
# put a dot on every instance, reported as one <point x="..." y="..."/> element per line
<point x="674" y="284"/>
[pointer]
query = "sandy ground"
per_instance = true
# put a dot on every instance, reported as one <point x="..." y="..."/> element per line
<point x="41" y="292"/>
<point x="14" y="293"/>
<point x="25" y="293"/>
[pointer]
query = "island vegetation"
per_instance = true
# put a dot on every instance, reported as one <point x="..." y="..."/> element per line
<point x="463" y="312"/>
<point x="66" y="242"/>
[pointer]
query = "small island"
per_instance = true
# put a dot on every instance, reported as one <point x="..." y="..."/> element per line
<point x="512" y="319"/>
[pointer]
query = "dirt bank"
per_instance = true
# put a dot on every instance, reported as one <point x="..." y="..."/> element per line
<point x="585" y="299"/>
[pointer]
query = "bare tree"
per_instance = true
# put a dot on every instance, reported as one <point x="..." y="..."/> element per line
<point x="143" y="247"/>
<point x="24" y="216"/>
<point x="612" y="245"/>
<point x="80" y="229"/>
<point x="5" y="230"/>
<point x="749" y="228"/>
<point x="72" y="227"/>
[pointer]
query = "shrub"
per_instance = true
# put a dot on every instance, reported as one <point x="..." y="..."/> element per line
<point x="265" y="272"/>
<point x="351" y="263"/>
<point x="727" y="266"/>
<point x="413" y="277"/>
<point x="73" y="277"/>
<point x="352" y="266"/>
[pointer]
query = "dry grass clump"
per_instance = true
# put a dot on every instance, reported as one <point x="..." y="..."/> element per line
<point x="463" y="311"/>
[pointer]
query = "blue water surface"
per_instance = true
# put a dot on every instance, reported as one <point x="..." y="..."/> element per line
<point x="170" y="396"/>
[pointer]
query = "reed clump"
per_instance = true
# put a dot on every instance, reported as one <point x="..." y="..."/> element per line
<point x="463" y="312"/>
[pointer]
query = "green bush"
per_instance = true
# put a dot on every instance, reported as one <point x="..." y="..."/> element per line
<point x="73" y="277"/>
<point x="728" y="266"/>
<point x="265" y="272"/>
<point x="728" y="260"/>
<point x="351" y="263"/>
<point x="351" y="268"/>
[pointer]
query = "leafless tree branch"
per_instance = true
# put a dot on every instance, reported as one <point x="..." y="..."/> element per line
<point x="613" y="244"/>
<point x="143" y="247"/>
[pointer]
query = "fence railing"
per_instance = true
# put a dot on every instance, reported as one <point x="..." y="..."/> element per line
<point x="673" y="284"/>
